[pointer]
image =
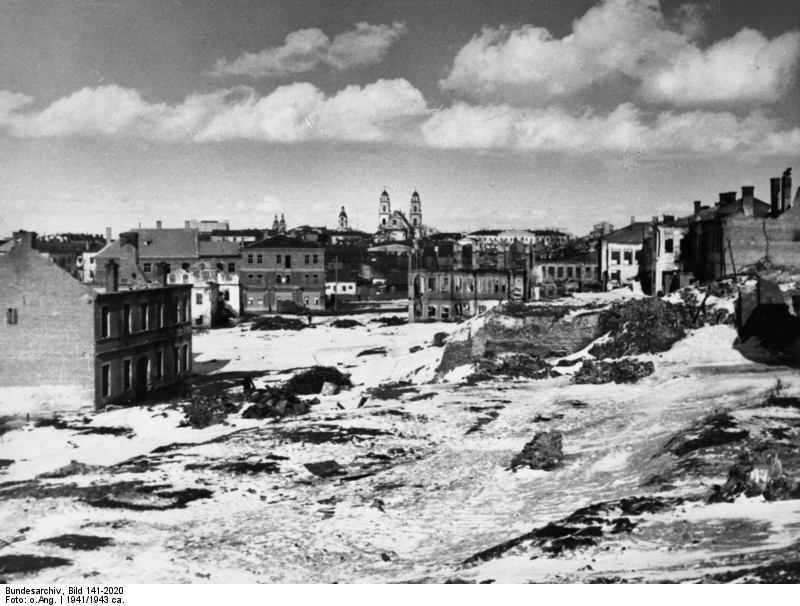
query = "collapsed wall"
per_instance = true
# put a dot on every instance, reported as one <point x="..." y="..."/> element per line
<point x="542" y="332"/>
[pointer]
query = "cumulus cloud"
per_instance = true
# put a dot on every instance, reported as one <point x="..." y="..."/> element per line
<point x="296" y="112"/>
<point x="625" y="130"/>
<point x="308" y="49"/>
<point x="626" y="40"/>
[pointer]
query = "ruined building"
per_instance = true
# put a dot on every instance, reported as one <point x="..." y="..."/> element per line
<point x="451" y="279"/>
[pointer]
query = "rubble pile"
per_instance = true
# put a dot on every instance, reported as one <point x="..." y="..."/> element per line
<point x="345" y="323"/>
<point x="311" y="381"/>
<point x="544" y="451"/>
<point x="518" y="309"/>
<point x="275" y="402"/>
<point x="597" y="372"/>
<point x="278" y="323"/>
<point x="439" y="339"/>
<point x="202" y="412"/>
<point x="757" y="474"/>
<point x="390" y="321"/>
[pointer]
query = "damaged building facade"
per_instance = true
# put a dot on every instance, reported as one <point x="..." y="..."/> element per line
<point x="452" y="280"/>
<point x="112" y="346"/>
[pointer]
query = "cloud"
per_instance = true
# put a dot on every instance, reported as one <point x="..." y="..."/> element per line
<point x="625" y="41"/>
<point x="295" y="112"/>
<point x="625" y="130"/>
<point x="308" y="49"/>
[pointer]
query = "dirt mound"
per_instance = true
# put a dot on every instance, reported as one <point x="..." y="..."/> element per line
<point x="617" y="371"/>
<point x="311" y="381"/>
<point x="544" y="451"/>
<point x="278" y="323"/>
<point x="13" y="564"/>
<point x="345" y="323"/>
<point x="79" y="542"/>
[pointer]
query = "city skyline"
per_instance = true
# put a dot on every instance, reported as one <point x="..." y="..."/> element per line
<point x="532" y="114"/>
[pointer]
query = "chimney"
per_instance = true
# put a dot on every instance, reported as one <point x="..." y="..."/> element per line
<point x="786" y="187"/>
<point x="633" y="219"/>
<point x="697" y="204"/>
<point x="775" y="195"/>
<point x="723" y="199"/>
<point x="161" y="273"/>
<point x="158" y="224"/>
<point x="747" y="200"/>
<point x="655" y="218"/>
<point x="25" y="239"/>
<point x="108" y="235"/>
<point x="112" y="275"/>
<point x="187" y="224"/>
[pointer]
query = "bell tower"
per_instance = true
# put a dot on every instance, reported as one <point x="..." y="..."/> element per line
<point x="343" y="220"/>
<point x="415" y="216"/>
<point x="385" y="210"/>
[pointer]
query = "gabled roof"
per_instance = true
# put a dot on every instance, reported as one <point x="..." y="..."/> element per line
<point x="485" y="232"/>
<point x="282" y="241"/>
<point x="218" y="249"/>
<point x="159" y="244"/>
<point x="630" y="234"/>
<point x="549" y="232"/>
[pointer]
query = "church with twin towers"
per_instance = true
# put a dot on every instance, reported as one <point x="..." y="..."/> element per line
<point x="395" y="225"/>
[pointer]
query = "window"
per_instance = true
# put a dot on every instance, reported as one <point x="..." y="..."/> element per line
<point x="615" y="257"/>
<point x="628" y="257"/>
<point x="198" y="298"/>
<point x="457" y="284"/>
<point x="172" y="278"/>
<point x="260" y="259"/>
<point x="148" y="267"/>
<point x="314" y="279"/>
<point x="176" y="361"/>
<point x="431" y="311"/>
<point x="481" y="309"/>
<point x="316" y="258"/>
<point x="445" y="312"/>
<point x="177" y="310"/>
<point x="278" y="259"/>
<point x="249" y="278"/>
<point x="159" y="365"/>
<point x="249" y="300"/>
<point x="167" y="268"/>
<point x="126" y="374"/>
<point x="185" y="266"/>
<point x="250" y="259"/>
<point x="231" y="268"/>
<point x="560" y="272"/>
<point x="551" y="271"/>
<point x="185" y="358"/>
<point x="431" y="284"/>
<point x="445" y="283"/>
<point x="307" y="259"/>
<point x="287" y="278"/>
<point x="184" y="308"/>
<point x="159" y="314"/>
<point x="316" y="300"/>
<point x="669" y="245"/>
<point x="145" y="316"/>
<point x="306" y="279"/>
<point x="306" y="301"/>
<point x="106" y="380"/>
<point x="615" y="276"/>
<point x="288" y="261"/>
<point x="497" y="286"/>
<point x="259" y="279"/>
<point x="569" y="272"/>
<point x="104" y="323"/>
<point x="126" y="319"/>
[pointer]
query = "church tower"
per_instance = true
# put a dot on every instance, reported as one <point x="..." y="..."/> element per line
<point x="343" y="220"/>
<point x="282" y="225"/>
<point x="385" y="210"/>
<point x="415" y="216"/>
<point x="275" y="224"/>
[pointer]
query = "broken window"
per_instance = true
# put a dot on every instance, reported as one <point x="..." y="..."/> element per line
<point x="560" y="272"/>
<point x="668" y="245"/>
<point x="185" y="278"/>
<point x="551" y="271"/>
<point x="126" y="319"/>
<point x="470" y="285"/>
<point x="145" y="316"/>
<point x="126" y="374"/>
<point x="628" y="257"/>
<point x="445" y="313"/>
<point x="104" y="323"/>
<point x="615" y="257"/>
<point x="288" y="261"/>
<point x="431" y="284"/>
<point x="185" y="358"/>
<point x="106" y="379"/>
<point x="431" y="311"/>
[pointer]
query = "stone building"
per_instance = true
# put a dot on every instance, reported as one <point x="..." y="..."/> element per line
<point x="394" y="225"/>
<point x="620" y="254"/>
<point x="281" y="269"/>
<point x="738" y="233"/>
<point x="452" y="280"/>
<point x="660" y="270"/>
<point x="568" y="275"/>
<point x="111" y="346"/>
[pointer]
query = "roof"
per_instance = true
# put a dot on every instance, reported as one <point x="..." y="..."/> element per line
<point x="282" y="241"/>
<point x="237" y="232"/>
<point x="218" y="249"/>
<point x="485" y="232"/>
<point x="630" y="234"/>
<point x="159" y="244"/>
<point x="549" y="232"/>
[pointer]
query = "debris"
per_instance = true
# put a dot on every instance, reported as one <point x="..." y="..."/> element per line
<point x="372" y="352"/>
<point x="379" y="505"/>
<point x="203" y="412"/>
<point x="329" y="389"/>
<point x="362" y="401"/>
<point x="439" y="339"/>
<point x="757" y="474"/>
<point x="325" y="469"/>
<point x="478" y="426"/>
<point x="616" y="371"/>
<point x="73" y="469"/>
<point x="248" y="467"/>
<point x="22" y="563"/>
<point x="345" y="323"/>
<point x="6" y="463"/>
<point x="312" y="380"/>
<point x="714" y="430"/>
<point x="79" y="542"/>
<point x="415" y="349"/>
<point x="544" y="451"/>
<point x="385" y="557"/>
<point x="390" y="321"/>
<point x="278" y="323"/>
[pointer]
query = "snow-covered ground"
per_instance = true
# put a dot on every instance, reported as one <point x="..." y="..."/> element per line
<point x="427" y="482"/>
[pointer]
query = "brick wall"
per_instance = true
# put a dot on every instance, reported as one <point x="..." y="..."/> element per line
<point x="52" y="342"/>
<point x="752" y="239"/>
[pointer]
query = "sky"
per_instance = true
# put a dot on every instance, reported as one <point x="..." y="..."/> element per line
<point x="515" y="114"/>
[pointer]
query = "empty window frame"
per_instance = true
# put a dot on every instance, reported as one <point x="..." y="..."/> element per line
<point x="669" y="245"/>
<point x="126" y="374"/>
<point x="185" y="358"/>
<point x="185" y="308"/>
<point x="105" y="326"/>
<point x="126" y="319"/>
<point x="198" y="298"/>
<point x="615" y="257"/>
<point x="159" y="314"/>
<point x="144" y="316"/>
<point x="105" y="374"/>
<point x="627" y="257"/>
<point x="159" y="365"/>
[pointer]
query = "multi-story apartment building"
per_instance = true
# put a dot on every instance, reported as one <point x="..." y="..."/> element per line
<point x="281" y="269"/>
<point x="111" y="346"/>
